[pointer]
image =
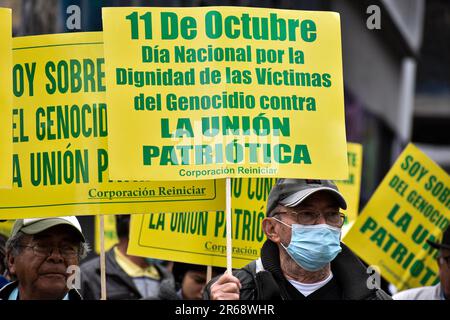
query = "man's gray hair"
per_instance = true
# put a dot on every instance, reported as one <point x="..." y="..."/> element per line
<point x="13" y="244"/>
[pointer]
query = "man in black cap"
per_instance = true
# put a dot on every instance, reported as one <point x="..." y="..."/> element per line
<point x="302" y="258"/>
<point x="440" y="291"/>
<point x="41" y="255"/>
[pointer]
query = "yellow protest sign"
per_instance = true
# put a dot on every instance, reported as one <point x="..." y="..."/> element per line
<point x="199" y="237"/>
<point x="410" y="206"/>
<point x="351" y="187"/>
<point x="60" y="160"/>
<point x="204" y="93"/>
<point x="109" y="231"/>
<point x="5" y="98"/>
<point x="6" y="227"/>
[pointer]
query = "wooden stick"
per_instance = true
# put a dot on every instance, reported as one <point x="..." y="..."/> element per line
<point x="102" y="258"/>
<point x="208" y="273"/>
<point x="228" y="220"/>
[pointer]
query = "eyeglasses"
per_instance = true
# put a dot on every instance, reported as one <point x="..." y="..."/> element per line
<point x="309" y="217"/>
<point x="67" y="252"/>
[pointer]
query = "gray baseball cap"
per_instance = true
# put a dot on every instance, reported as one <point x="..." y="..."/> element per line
<point x="291" y="192"/>
<point x="37" y="225"/>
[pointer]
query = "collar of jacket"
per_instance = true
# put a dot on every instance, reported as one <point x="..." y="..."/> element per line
<point x="110" y="260"/>
<point x="113" y="269"/>
<point x="7" y="289"/>
<point x="347" y="269"/>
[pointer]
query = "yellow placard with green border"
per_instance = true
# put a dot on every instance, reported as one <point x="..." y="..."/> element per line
<point x="60" y="154"/>
<point x="214" y="92"/>
<point x="110" y="233"/>
<point x="411" y="206"/>
<point x="351" y="188"/>
<point x="5" y="98"/>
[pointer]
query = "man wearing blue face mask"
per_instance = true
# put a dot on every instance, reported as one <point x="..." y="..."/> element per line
<point x="303" y="258"/>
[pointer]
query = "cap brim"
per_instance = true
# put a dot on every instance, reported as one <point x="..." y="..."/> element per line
<point x="296" y="198"/>
<point x="438" y="245"/>
<point x="45" y="224"/>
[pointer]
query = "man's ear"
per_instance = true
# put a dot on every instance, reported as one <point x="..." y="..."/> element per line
<point x="440" y="260"/>
<point x="10" y="259"/>
<point x="270" y="229"/>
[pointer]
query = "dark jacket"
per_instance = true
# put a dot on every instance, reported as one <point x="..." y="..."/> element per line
<point x="3" y="281"/>
<point x="7" y="289"/>
<point x="119" y="285"/>
<point x="349" y="276"/>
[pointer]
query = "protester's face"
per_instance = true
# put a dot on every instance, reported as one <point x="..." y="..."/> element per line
<point x="444" y="271"/>
<point x="40" y="276"/>
<point x="193" y="284"/>
<point x="320" y="201"/>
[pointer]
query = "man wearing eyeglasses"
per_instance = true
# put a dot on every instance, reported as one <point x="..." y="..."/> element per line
<point x="41" y="255"/>
<point x="440" y="291"/>
<point x="302" y="258"/>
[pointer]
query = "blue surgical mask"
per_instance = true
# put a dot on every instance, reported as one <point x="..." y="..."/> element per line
<point x="313" y="246"/>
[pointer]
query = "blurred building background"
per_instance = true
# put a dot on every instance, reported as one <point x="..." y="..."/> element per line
<point x="397" y="77"/>
<point x="431" y="119"/>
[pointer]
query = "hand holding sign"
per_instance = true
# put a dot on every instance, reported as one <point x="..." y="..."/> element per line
<point x="227" y="287"/>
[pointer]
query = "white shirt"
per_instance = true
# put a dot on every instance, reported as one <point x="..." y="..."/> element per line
<point x="421" y="293"/>
<point x="307" y="288"/>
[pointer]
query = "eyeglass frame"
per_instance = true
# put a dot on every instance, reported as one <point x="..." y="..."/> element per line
<point x="50" y="252"/>
<point x="343" y="216"/>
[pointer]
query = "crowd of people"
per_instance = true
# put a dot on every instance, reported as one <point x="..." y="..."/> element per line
<point x="303" y="258"/>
